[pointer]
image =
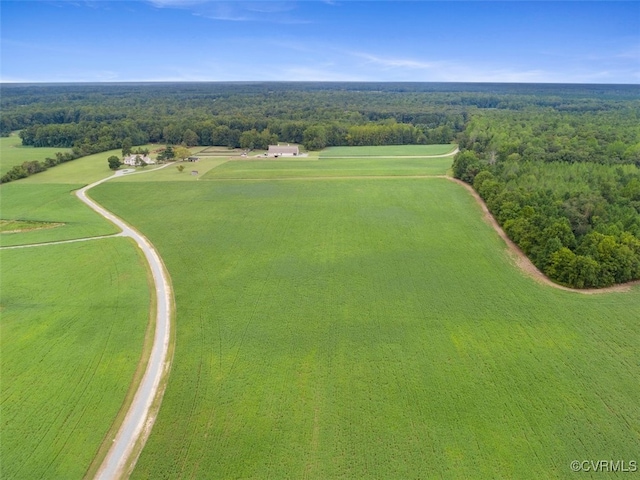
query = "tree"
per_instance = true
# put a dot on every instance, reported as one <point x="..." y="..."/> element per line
<point x="466" y="165"/>
<point x="127" y="144"/>
<point x="250" y="139"/>
<point x="167" y="154"/>
<point x="180" y="168"/>
<point x="182" y="152"/>
<point x="315" y="138"/>
<point x="114" y="162"/>
<point x="171" y="134"/>
<point x="190" y="138"/>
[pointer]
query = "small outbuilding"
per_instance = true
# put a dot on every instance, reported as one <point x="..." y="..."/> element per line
<point x="193" y="159"/>
<point x="283" y="151"/>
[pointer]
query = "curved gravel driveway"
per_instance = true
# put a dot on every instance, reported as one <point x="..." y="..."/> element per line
<point x="134" y="423"/>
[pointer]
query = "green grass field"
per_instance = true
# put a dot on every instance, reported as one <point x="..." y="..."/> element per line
<point x="373" y="328"/>
<point x="342" y="162"/>
<point x="387" y="151"/>
<point x="53" y="203"/>
<point x="13" y="153"/>
<point x="171" y="174"/>
<point x="73" y="322"/>
<point x="83" y="170"/>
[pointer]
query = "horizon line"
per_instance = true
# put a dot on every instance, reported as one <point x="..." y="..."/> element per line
<point x="129" y="82"/>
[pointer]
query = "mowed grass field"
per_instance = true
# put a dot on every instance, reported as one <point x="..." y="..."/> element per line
<point x="12" y="153"/>
<point x="83" y="170"/>
<point x="373" y="328"/>
<point x="387" y="150"/>
<point x="73" y="322"/>
<point x="395" y="160"/>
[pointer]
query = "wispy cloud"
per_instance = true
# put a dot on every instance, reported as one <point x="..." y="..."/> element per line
<point x="268" y="11"/>
<point x="318" y="74"/>
<point x="391" y="62"/>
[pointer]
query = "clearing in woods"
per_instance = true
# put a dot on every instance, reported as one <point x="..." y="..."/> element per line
<point x="371" y="328"/>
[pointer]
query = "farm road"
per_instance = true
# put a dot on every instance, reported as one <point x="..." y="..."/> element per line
<point x="137" y="425"/>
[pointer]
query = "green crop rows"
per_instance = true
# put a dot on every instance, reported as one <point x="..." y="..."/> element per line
<point x="73" y="321"/>
<point x="372" y="328"/>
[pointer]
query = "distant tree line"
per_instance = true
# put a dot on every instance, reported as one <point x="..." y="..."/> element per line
<point x="558" y="165"/>
<point x="90" y="118"/>
<point x="564" y="186"/>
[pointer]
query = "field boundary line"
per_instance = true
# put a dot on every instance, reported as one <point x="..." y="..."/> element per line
<point x="330" y="177"/>
<point x="59" y="242"/>
<point x="523" y="262"/>
<point x="142" y="410"/>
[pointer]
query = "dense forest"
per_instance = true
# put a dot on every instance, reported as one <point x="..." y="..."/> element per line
<point x="564" y="186"/>
<point x="558" y="165"/>
<point x="92" y="118"/>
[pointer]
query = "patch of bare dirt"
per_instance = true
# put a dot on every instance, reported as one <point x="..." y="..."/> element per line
<point x="38" y="226"/>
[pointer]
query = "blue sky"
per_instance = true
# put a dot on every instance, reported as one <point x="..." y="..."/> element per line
<point x="197" y="40"/>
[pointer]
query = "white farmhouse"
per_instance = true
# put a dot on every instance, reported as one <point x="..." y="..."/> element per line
<point x="137" y="159"/>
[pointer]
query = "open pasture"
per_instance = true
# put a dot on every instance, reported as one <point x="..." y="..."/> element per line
<point x="73" y="323"/>
<point x="373" y="328"/>
<point x="12" y="153"/>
